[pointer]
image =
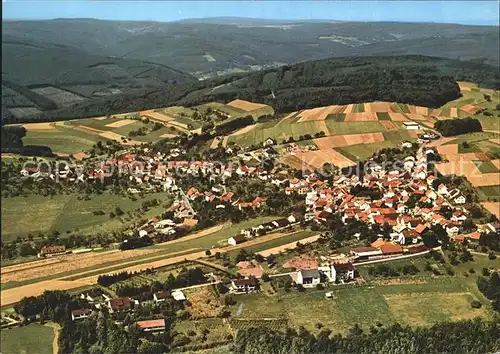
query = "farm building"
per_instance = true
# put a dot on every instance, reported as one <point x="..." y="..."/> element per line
<point x="362" y="252"/>
<point x="50" y="251"/>
<point x="411" y="125"/>
<point x="233" y="241"/>
<point x="151" y="325"/>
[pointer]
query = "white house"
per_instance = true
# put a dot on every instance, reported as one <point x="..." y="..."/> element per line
<point x="460" y="200"/>
<point x="411" y="125"/>
<point x="233" y="241"/>
<point x="178" y="295"/>
<point x="244" y="285"/>
<point x="308" y="278"/>
<point x="337" y="271"/>
<point x="80" y="314"/>
<point x="161" y="297"/>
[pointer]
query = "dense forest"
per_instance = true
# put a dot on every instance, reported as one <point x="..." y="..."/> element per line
<point x="456" y="337"/>
<point x="458" y="126"/>
<point x="418" y="80"/>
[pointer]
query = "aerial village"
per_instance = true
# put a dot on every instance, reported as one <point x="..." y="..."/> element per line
<point x="412" y="201"/>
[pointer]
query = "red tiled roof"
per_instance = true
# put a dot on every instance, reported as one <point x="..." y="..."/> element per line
<point x="390" y="248"/>
<point x="81" y="312"/>
<point x="150" y="324"/>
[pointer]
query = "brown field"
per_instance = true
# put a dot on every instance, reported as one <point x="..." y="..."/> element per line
<point x="39" y="126"/>
<point x="348" y="139"/>
<point x="215" y="143"/>
<point x="435" y="112"/>
<point x="486" y="179"/>
<point x="464" y="88"/>
<point x="349" y="108"/>
<point x="224" y="141"/>
<point x="422" y="110"/>
<point x="469" y="108"/>
<point x="492" y="207"/>
<point x="178" y="124"/>
<point x="319" y="113"/>
<point x="120" y="123"/>
<point x="368" y="138"/>
<point x="246" y="129"/>
<point x="246" y="105"/>
<point x="398" y="117"/>
<point x="89" y="129"/>
<point x="412" y="109"/>
<point x="378" y="107"/>
<point x="291" y="245"/>
<point x="156" y="116"/>
<point x="448" y="149"/>
<point x="317" y="158"/>
<point x="13" y="295"/>
<point x="496" y="163"/>
<point x="292" y="161"/>
<point x="454" y="112"/>
<point x="204" y="302"/>
<point x="112" y="136"/>
<point x="360" y="117"/>
<point x="329" y="142"/>
<point x="496" y="141"/>
<point x="416" y="117"/>
<point x="80" y="155"/>
<point x="167" y="136"/>
<point x="388" y="125"/>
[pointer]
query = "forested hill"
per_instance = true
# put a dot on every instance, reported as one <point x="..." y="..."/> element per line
<point x="418" y="80"/>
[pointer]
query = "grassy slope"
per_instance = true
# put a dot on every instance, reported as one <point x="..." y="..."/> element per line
<point x="21" y="216"/>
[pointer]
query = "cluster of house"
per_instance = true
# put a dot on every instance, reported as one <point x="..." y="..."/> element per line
<point x="411" y="200"/>
<point x="97" y="299"/>
<point x="275" y="225"/>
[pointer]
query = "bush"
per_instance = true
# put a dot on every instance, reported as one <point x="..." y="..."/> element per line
<point x="475" y="304"/>
<point x="266" y="277"/>
<point x="320" y="287"/>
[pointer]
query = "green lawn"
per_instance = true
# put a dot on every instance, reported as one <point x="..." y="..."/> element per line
<point x="358" y="108"/>
<point x="486" y="166"/>
<point x="297" y="236"/>
<point x="337" y="117"/>
<point x="402" y="107"/>
<point x="336" y="128"/>
<point x="31" y="339"/>
<point x="361" y="152"/>
<point x="221" y="236"/>
<point x="21" y="216"/>
<point x="487" y="192"/>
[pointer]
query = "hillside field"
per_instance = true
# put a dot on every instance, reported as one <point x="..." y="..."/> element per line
<point x="35" y="213"/>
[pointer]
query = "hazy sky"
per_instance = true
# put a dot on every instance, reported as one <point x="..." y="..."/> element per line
<point x="465" y="12"/>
